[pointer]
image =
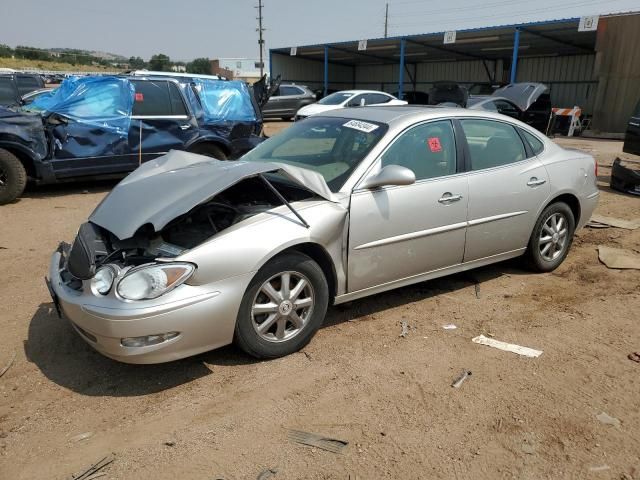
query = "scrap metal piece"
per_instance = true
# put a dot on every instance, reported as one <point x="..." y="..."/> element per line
<point x="618" y="258"/>
<point x="507" y="347"/>
<point x="320" y="441"/>
<point x="457" y="383"/>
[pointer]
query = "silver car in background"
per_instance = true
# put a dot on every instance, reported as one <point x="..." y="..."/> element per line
<point x="188" y="254"/>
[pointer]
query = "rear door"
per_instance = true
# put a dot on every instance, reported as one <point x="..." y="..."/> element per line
<point x="160" y="119"/>
<point x="632" y="137"/>
<point x="507" y="186"/>
<point x="290" y="97"/>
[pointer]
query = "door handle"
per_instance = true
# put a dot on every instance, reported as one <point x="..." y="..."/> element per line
<point x="534" y="182"/>
<point x="185" y="127"/>
<point x="448" y="198"/>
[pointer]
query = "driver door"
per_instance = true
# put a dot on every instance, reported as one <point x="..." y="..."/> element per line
<point x="398" y="232"/>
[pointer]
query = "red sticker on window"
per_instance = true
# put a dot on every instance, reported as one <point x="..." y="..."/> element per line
<point x="139" y="97"/>
<point x="434" y="144"/>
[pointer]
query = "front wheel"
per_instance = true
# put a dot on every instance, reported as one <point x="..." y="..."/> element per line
<point x="551" y="238"/>
<point x="283" y="307"/>
<point x="13" y="177"/>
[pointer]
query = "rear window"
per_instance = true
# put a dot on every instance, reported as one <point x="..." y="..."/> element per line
<point x="7" y="91"/>
<point x="290" y="91"/>
<point x="157" y="99"/>
<point x="534" y="142"/>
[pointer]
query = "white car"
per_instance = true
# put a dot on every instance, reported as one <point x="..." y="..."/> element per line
<point x="348" y="98"/>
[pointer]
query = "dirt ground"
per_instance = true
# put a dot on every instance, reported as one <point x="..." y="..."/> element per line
<point x="223" y="415"/>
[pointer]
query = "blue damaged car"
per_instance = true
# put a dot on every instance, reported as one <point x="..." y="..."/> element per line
<point x="97" y="127"/>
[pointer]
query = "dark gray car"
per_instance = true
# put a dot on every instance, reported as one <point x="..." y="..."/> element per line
<point x="287" y="100"/>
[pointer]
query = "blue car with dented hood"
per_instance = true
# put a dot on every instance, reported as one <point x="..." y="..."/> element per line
<point x="106" y="126"/>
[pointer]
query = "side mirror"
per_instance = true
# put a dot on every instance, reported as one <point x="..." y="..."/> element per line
<point x="390" y="175"/>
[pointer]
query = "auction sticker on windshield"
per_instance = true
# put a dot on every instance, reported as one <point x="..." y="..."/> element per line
<point x="360" y="125"/>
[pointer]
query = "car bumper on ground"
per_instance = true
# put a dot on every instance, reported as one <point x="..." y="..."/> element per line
<point x="202" y="316"/>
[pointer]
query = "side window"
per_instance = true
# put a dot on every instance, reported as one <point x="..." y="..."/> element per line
<point x="177" y="103"/>
<point x="7" y="91"/>
<point x="429" y="150"/>
<point x="376" y="98"/>
<point x="286" y="90"/>
<point x="151" y="98"/>
<point x="492" y="144"/>
<point x="534" y="142"/>
<point x="355" y="101"/>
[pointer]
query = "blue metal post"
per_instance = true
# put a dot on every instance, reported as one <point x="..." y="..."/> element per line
<point x="401" y="76"/>
<point x="270" y="66"/>
<point x="514" y="59"/>
<point x="326" y="70"/>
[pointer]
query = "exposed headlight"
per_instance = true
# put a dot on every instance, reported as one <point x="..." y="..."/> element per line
<point x="102" y="280"/>
<point x="151" y="281"/>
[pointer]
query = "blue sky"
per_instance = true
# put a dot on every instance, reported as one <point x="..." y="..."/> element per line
<point x="222" y="28"/>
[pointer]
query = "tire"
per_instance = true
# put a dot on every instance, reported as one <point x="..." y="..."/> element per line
<point x="13" y="177"/>
<point x="209" y="150"/>
<point x="545" y="237"/>
<point x="282" y="336"/>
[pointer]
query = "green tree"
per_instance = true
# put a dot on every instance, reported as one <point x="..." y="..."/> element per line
<point x="5" y="50"/>
<point x="137" y="63"/>
<point x="200" y="65"/>
<point x="160" y="62"/>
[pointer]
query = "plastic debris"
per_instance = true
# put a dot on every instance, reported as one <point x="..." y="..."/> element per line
<point x="82" y="436"/>
<point x="449" y="326"/>
<point x="405" y="328"/>
<point x="618" y="258"/>
<point x="477" y="288"/>
<point x="599" y="220"/>
<point x="634" y="357"/>
<point x="507" y="347"/>
<point x="600" y="468"/>
<point x="319" y="441"/>
<point x="461" y="378"/>
<point x="608" y="419"/>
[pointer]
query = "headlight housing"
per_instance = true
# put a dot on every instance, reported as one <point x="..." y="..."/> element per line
<point x="151" y="281"/>
<point x="103" y="280"/>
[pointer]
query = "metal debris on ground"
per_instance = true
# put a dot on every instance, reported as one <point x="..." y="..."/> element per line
<point x="608" y="419"/>
<point x="477" y="288"/>
<point x="405" y="328"/>
<point x="634" y="357"/>
<point x="598" y="221"/>
<point x="82" y="436"/>
<point x="319" y="441"/>
<point x="266" y="474"/>
<point x="449" y="326"/>
<point x="618" y="258"/>
<point x="8" y="366"/>
<point x="92" y="471"/>
<point x="461" y="378"/>
<point x="507" y="347"/>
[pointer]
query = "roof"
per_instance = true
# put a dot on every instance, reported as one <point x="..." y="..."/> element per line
<point x="555" y="37"/>
<point x="145" y="73"/>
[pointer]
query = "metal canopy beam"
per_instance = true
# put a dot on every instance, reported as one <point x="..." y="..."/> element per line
<point x="306" y="58"/>
<point x="514" y="59"/>
<point x="326" y="70"/>
<point x="558" y="40"/>
<point x="446" y="49"/>
<point x="345" y="50"/>
<point x="401" y="76"/>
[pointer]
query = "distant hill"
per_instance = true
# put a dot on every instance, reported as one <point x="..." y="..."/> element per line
<point x="111" y="57"/>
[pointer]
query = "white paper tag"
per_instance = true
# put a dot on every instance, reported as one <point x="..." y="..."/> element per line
<point x="360" y="125"/>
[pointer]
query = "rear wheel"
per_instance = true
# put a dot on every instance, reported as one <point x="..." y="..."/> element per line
<point x="13" y="177"/>
<point x="283" y="307"/>
<point x="551" y="238"/>
<point x="209" y="150"/>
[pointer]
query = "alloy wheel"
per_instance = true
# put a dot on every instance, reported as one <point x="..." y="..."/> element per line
<point x="283" y="306"/>
<point x="553" y="237"/>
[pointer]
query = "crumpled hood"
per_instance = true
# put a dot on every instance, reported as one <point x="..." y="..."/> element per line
<point x="315" y="108"/>
<point x="522" y="94"/>
<point x="24" y="128"/>
<point x="171" y="185"/>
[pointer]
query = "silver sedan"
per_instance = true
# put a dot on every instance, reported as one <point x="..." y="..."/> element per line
<point x="188" y="254"/>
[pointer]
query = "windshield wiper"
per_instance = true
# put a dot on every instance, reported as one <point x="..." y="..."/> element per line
<point x="282" y="199"/>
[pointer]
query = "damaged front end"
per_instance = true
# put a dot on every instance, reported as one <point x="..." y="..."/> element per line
<point x="624" y="178"/>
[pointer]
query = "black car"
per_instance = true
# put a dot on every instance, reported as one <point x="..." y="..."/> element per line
<point x="414" y="97"/>
<point x="527" y="102"/>
<point x="632" y="137"/>
<point x="14" y="85"/>
<point x="106" y="126"/>
<point x="285" y="102"/>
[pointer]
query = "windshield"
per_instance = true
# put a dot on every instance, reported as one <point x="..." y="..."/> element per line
<point x="331" y="146"/>
<point x="336" y="98"/>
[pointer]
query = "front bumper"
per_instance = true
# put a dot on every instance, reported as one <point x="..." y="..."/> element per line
<point x="204" y="315"/>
